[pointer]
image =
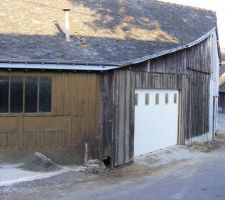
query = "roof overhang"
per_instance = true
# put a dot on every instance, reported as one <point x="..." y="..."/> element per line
<point x="60" y="67"/>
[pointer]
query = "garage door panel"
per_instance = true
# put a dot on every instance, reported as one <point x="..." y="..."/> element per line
<point x="156" y="120"/>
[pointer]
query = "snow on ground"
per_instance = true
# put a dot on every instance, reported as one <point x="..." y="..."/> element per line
<point x="168" y="155"/>
<point x="11" y="174"/>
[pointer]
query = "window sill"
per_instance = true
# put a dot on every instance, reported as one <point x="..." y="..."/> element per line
<point x="44" y="114"/>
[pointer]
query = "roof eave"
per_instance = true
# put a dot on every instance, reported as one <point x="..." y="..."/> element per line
<point x="59" y="67"/>
<point x="60" y="62"/>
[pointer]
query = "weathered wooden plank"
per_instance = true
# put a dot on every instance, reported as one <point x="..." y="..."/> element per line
<point x="126" y="117"/>
<point x="131" y="115"/>
<point x="121" y="116"/>
<point x="115" y="117"/>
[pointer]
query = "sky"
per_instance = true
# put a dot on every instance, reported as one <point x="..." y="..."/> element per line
<point x="216" y="5"/>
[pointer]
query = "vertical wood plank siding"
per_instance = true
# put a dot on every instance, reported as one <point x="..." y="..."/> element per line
<point x="197" y="104"/>
<point x="187" y="70"/>
<point x="121" y="117"/>
<point x="74" y="119"/>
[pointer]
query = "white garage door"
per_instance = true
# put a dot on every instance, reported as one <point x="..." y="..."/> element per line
<point x="156" y="120"/>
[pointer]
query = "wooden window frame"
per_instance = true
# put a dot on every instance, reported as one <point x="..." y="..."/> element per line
<point x="38" y="113"/>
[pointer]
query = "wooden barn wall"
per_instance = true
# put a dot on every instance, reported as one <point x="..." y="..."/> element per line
<point x="73" y="120"/>
<point x="187" y="70"/>
<point x="195" y="62"/>
<point x="197" y="104"/>
<point x="196" y="58"/>
<point x="118" y="140"/>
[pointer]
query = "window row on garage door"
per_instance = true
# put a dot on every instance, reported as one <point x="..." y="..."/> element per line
<point x="156" y="98"/>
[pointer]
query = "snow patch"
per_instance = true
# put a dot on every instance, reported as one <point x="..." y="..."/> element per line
<point x="168" y="155"/>
<point x="11" y="174"/>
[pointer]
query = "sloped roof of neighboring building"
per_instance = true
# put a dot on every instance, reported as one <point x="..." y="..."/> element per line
<point x="101" y="31"/>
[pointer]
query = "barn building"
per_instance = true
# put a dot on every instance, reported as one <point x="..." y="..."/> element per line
<point x="120" y="79"/>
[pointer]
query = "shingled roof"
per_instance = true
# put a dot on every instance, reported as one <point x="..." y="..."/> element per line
<point x="101" y="31"/>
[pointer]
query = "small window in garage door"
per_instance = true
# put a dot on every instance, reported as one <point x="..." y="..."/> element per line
<point x="156" y="98"/>
<point x="175" y="98"/>
<point x="166" y="98"/>
<point x="146" y="99"/>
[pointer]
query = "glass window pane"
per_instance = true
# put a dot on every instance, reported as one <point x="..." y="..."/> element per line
<point x="146" y="99"/>
<point x="166" y="98"/>
<point x="31" y="94"/>
<point x="4" y="94"/>
<point x="45" y="87"/>
<point x="16" y="98"/>
<point x="157" y="99"/>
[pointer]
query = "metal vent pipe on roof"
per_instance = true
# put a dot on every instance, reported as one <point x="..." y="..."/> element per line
<point x="67" y="24"/>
